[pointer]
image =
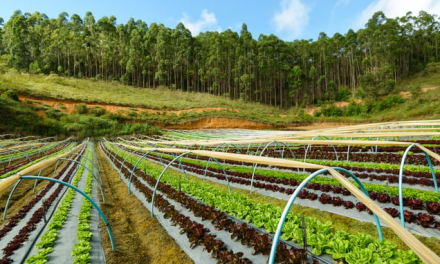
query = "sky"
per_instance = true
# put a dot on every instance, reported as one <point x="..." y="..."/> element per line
<point x="287" y="19"/>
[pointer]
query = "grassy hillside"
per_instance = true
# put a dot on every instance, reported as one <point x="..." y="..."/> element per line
<point x="17" y="117"/>
<point x="421" y="100"/>
<point x="20" y="118"/>
<point x="93" y="91"/>
<point x="89" y="122"/>
<point x="114" y="93"/>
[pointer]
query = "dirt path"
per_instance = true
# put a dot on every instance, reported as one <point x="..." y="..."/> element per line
<point x="215" y="123"/>
<point x="310" y="111"/>
<point x="423" y="90"/>
<point x="319" y="126"/>
<point x="138" y="237"/>
<point x="68" y="107"/>
<point x="207" y="123"/>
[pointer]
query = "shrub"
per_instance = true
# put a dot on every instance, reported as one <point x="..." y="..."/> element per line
<point x="98" y="111"/>
<point x="343" y="94"/>
<point x="11" y="95"/>
<point x="80" y="109"/>
<point x="330" y="110"/>
<point x="54" y="113"/>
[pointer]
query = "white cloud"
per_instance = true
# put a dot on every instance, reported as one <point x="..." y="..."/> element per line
<point x="292" y="18"/>
<point x="206" y="22"/>
<point x="336" y="6"/>
<point x="342" y="2"/>
<point x="397" y="8"/>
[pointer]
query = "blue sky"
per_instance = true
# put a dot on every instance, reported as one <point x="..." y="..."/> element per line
<point x="287" y="19"/>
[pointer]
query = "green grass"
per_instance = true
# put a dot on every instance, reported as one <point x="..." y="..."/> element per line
<point x="32" y="101"/>
<point x="425" y="106"/>
<point x="430" y="77"/>
<point x="17" y="117"/>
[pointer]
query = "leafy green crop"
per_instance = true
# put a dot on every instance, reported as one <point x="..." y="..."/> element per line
<point x="81" y="250"/>
<point x="64" y="150"/>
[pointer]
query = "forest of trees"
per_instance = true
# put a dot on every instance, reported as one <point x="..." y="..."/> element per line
<point x="230" y="64"/>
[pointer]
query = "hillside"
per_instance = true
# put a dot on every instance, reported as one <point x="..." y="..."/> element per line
<point x="159" y="106"/>
<point x="88" y="107"/>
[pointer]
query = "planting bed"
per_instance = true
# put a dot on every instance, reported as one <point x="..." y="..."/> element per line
<point x="217" y="196"/>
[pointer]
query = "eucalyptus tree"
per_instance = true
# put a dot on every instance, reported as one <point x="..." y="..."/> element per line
<point x="136" y="64"/>
<point x="58" y="43"/>
<point x="230" y="43"/>
<point x="75" y="44"/>
<point x="90" y="41"/>
<point x="296" y="78"/>
<point x="122" y="40"/>
<point x="313" y="77"/>
<point x="37" y="23"/>
<point x="352" y="56"/>
<point x="246" y="62"/>
<point x="163" y="56"/>
<point x="108" y="53"/>
<point x="182" y="49"/>
<point x="1" y="35"/>
<point x="200" y="62"/>
<point x="150" y="45"/>
<point x="17" y="41"/>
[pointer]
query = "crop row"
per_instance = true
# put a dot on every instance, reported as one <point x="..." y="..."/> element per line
<point x="13" y="155"/>
<point x="19" y="164"/>
<point x="23" y="211"/>
<point x="43" y="157"/>
<point x="82" y="248"/>
<point x="293" y="178"/>
<point x="390" y="155"/>
<point x="48" y="239"/>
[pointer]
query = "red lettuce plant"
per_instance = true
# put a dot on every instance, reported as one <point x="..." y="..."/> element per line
<point x="392" y="211"/>
<point x="433" y="208"/>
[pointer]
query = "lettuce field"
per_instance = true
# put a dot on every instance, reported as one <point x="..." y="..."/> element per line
<point x="355" y="194"/>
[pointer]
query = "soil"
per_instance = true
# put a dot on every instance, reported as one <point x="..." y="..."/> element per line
<point x="139" y="238"/>
<point x="428" y="88"/>
<point x="310" y="111"/>
<point x="68" y="107"/>
<point x="215" y="123"/>
<point x="408" y="94"/>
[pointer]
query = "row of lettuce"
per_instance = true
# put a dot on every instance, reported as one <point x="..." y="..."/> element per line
<point x="82" y="248"/>
<point x="14" y="154"/>
<point x="62" y="151"/>
<point x="426" y="196"/>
